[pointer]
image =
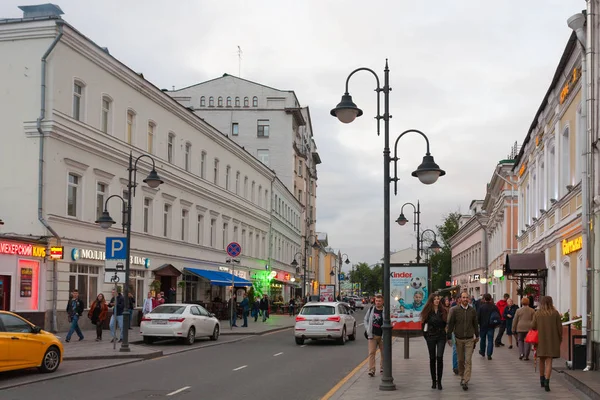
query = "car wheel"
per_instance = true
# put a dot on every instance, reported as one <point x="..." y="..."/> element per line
<point x="51" y="360"/>
<point x="353" y="335"/>
<point x="148" y="340"/>
<point x="215" y="334"/>
<point x="342" y="340"/>
<point x="191" y="336"/>
<point x="299" y="341"/>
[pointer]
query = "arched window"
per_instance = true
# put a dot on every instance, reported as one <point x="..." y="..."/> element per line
<point x="220" y="102"/>
<point x="78" y="100"/>
<point x="228" y="101"/>
<point x="565" y="161"/>
<point x="211" y="101"/>
<point x="237" y="101"/>
<point x="246" y="104"/>
<point x="106" y="117"/>
<point x="255" y="101"/>
<point x="202" y="101"/>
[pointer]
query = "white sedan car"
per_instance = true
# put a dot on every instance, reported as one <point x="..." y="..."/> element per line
<point x="185" y="321"/>
<point x="325" y="320"/>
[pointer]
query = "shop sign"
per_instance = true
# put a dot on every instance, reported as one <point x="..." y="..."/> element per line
<point x="283" y="276"/>
<point x="571" y="246"/>
<point x="522" y="169"/>
<point x="568" y="87"/>
<point x="57" y="253"/>
<point x="476" y="277"/>
<point x="99" y="255"/>
<point x="22" y="249"/>
<point x="448" y="283"/>
<point x="26" y="282"/>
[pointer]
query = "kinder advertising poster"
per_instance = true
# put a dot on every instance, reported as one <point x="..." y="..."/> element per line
<point x="408" y="287"/>
<point x="326" y="292"/>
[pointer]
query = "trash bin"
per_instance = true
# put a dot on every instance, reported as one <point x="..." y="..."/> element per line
<point x="579" y="353"/>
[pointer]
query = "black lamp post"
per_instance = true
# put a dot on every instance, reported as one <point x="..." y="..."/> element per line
<point x="416" y="224"/>
<point x="294" y="263"/>
<point x="428" y="172"/>
<point x="105" y="221"/>
<point x="339" y="271"/>
<point x="434" y="247"/>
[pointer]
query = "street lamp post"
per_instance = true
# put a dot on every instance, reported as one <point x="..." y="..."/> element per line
<point x="338" y="272"/>
<point x="294" y="263"/>
<point x="416" y="224"/>
<point x="105" y="221"/>
<point x="435" y="247"/>
<point x="428" y="172"/>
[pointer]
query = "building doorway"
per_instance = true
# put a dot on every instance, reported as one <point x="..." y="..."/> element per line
<point x="4" y="292"/>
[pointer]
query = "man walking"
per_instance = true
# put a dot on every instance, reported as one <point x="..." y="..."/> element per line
<point x="374" y="331"/>
<point x="245" y="305"/>
<point x="118" y="305"/>
<point x="147" y="304"/>
<point x="75" y="308"/>
<point x="233" y="310"/>
<point x="462" y="322"/>
<point x="488" y="318"/>
<point x="264" y="307"/>
<point x="501" y="306"/>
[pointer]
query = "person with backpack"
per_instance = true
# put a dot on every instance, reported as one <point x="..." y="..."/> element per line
<point x="502" y="327"/>
<point x="489" y="319"/>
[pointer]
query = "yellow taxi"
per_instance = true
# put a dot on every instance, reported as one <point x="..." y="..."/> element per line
<point x="24" y="345"/>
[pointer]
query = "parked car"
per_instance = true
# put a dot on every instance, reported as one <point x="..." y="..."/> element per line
<point x="358" y="303"/>
<point x="25" y="345"/>
<point x="184" y="321"/>
<point x="325" y="320"/>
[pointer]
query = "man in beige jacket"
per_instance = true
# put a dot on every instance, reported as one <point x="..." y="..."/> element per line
<point x="462" y="321"/>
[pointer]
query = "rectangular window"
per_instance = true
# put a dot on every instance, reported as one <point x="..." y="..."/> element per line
<point x="151" y="138"/>
<point x="200" y="229"/>
<point x="300" y="199"/>
<point x="84" y="278"/>
<point x="263" y="128"/>
<point x="203" y="165"/>
<point x="213" y="232"/>
<point x="106" y="111"/>
<point x="100" y="193"/>
<point x="147" y="214"/>
<point x="72" y="195"/>
<point x="237" y="183"/>
<point x="216" y="172"/>
<point x="184" y="224"/>
<point x="170" y="145"/>
<point x="299" y="167"/>
<point x="77" y="100"/>
<point x="130" y="127"/>
<point x="246" y="187"/>
<point x="235" y="234"/>
<point x="188" y="153"/>
<point x="252" y="192"/>
<point x="166" y="220"/>
<point x="243" y="239"/>
<point x="225" y="235"/>
<point x="227" y="174"/>
<point x="235" y="129"/>
<point x="263" y="156"/>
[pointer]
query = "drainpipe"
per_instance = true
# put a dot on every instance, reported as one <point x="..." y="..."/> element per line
<point x="54" y="322"/>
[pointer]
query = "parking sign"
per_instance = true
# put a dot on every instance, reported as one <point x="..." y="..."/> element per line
<point x="116" y="248"/>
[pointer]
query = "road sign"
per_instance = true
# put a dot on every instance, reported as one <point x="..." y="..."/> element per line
<point x="116" y="248"/>
<point x="234" y="249"/>
<point x="114" y="277"/>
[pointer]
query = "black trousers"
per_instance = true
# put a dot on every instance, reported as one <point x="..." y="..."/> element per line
<point x="436" y="346"/>
<point x="501" y="330"/>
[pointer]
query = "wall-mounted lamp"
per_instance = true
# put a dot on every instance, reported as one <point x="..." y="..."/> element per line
<point x="553" y="201"/>
<point x="483" y="280"/>
<point x="542" y="211"/>
<point x="534" y="219"/>
<point x="498" y="273"/>
<point x="527" y="226"/>
<point x="522" y="231"/>
<point x="570" y="188"/>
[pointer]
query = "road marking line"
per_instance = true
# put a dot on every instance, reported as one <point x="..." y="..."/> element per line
<point x="278" y="354"/>
<point x="279" y="331"/>
<point x="361" y="324"/>
<point x="179" y="391"/>
<point x="238" y="368"/>
<point x="344" y="380"/>
<point x="303" y="346"/>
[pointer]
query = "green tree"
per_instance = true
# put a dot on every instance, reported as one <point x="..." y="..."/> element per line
<point x="370" y="278"/>
<point x="441" y="263"/>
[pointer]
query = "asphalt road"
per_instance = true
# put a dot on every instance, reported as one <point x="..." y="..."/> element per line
<point x="271" y="366"/>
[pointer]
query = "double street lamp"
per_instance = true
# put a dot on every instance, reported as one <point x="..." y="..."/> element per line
<point x="402" y="220"/>
<point x="294" y="263"/>
<point x="105" y="221"/>
<point x="339" y="271"/>
<point x="428" y="172"/>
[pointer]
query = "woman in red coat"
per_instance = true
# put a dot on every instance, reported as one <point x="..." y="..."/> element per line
<point x="97" y="314"/>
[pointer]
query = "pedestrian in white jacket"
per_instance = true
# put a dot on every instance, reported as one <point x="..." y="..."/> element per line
<point x="374" y="332"/>
<point x="147" y="304"/>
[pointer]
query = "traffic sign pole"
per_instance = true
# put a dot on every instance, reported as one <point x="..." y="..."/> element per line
<point x="233" y="250"/>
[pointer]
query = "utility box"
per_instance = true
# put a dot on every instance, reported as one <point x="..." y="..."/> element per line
<point x="579" y="355"/>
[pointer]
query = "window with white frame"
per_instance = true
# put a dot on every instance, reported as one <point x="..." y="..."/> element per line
<point x="106" y="116"/>
<point x="73" y="195"/>
<point x="78" y="100"/>
<point x="534" y="191"/>
<point x="259" y="195"/>
<point x="137" y="280"/>
<point x="100" y="197"/>
<point x="184" y="224"/>
<point x="147" y="215"/>
<point x="203" y="164"/>
<point x="170" y="147"/>
<point x="262" y="128"/>
<point x="228" y="101"/>
<point x="263" y="156"/>
<point x="235" y="233"/>
<point x="130" y="128"/>
<point x="227" y="176"/>
<point x="235" y="129"/>
<point x="237" y="101"/>
<point x="252" y="192"/>
<point x="167" y="220"/>
<point x="243" y="239"/>
<point x="246" y="102"/>
<point x="225" y="235"/>
<point x="200" y="229"/>
<point x="542" y="186"/>
<point x="211" y="101"/>
<point x="299" y="167"/>
<point x="84" y="278"/>
<point x="220" y="103"/>
<point x="263" y="247"/>
<point x="565" y="161"/>
<point x="255" y="101"/>
<point x="202" y="101"/>
<point x="250" y="243"/>
<point x="216" y="171"/>
<point x="188" y="155"/>
<point x="552" y="173"/>
<point x="245" y="187"/>
<point x="151" y="128"/>
<point x="257" y="244"/>
<point x="237" y="182"/>
<point x="213" y="232"/>
<point x="266" y="199"/>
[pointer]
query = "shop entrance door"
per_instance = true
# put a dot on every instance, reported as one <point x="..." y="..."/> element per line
<point x="4" y="293"/>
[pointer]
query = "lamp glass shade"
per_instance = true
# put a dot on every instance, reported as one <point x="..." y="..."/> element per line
<point x="346" y="111"/>
<point x="428" y="172"/>
<point x="153" y="180"/>
<point x="347" y="261"/>
<point x="332" y="273"/>
<point x="498" y="273"/>
<point x="435" y="246"/>
<point x="402" y="220"/>
<point x="294" y="263"/>
<point x="483" y="280"/>
<point x="105" y="221"/>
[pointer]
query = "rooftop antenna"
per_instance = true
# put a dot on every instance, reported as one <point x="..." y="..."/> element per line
<point x="240" y="52"/>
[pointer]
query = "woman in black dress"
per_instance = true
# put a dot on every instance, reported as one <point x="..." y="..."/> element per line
<point x="433" y="319"/>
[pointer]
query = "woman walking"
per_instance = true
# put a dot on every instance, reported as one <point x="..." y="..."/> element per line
<point x="521" y="325"/>
<point x="433" y="319"/>
<point x="509" y="315"/>
<point x="547" y="322"/>
<point x="97" y="314"/>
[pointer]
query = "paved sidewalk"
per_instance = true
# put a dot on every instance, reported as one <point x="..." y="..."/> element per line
<point x="503" y="377"/>
<point x="89" y="349"/>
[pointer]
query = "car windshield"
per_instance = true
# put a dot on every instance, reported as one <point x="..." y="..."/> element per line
<point x="318" y="310"/>
<point x="168" y="309"/>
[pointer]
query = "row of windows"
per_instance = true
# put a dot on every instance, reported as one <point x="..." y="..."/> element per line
<point x="211" y="101"/>
<point x="468" y="260"/>
<point x="262" y="129"/>
<point x="286" y="212"/>
<point x="75" y="209"/>
<point x="261" y="198"/>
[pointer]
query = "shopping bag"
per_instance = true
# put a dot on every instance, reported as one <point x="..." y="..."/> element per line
<point x="532" y="337"/>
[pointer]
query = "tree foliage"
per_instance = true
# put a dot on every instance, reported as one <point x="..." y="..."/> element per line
<point x="370" y="278"/>
<point x="441" y="263"/>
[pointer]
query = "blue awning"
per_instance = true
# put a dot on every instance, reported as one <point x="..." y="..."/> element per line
<point x="218" y="278"/>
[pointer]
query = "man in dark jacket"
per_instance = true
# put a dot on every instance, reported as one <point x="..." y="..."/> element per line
<point x="501" y="306"/>
<point x="488" y="313"/>
<point x="75" y="308"/>
<point x="264" y="307"/>
<point x="117" y="303"/>
<point x="462" y="321"/>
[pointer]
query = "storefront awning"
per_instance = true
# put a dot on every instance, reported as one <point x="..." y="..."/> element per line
<point x="218" y="278"/>
<point x="530" y="262"/>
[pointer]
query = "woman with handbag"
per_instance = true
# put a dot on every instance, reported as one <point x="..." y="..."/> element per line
<point x="97" y="314"/>
<point x="549" y="326"/>
<point x="433" y="321"/>
<point x="521" y="324"/>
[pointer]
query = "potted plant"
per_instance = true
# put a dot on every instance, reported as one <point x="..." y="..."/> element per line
<point x="155" y="285"/>
<point x="529" y="290"/>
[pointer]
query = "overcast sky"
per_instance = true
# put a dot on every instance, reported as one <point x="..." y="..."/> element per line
<point x="470" y="74"/>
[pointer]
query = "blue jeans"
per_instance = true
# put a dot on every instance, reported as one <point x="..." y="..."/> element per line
<point x="74" y="328"/>
<point x="264" y="315"/>
<point x="245" y="314"/>
<point x="486" y="334"/>
<point x="454" y="353"/>
<point x="112" y="325"/>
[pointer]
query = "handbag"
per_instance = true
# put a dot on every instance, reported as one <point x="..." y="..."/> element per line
<point x="532" y="337"/>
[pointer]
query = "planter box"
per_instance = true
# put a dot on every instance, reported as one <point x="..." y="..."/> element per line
<point x="564" y="346"/>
